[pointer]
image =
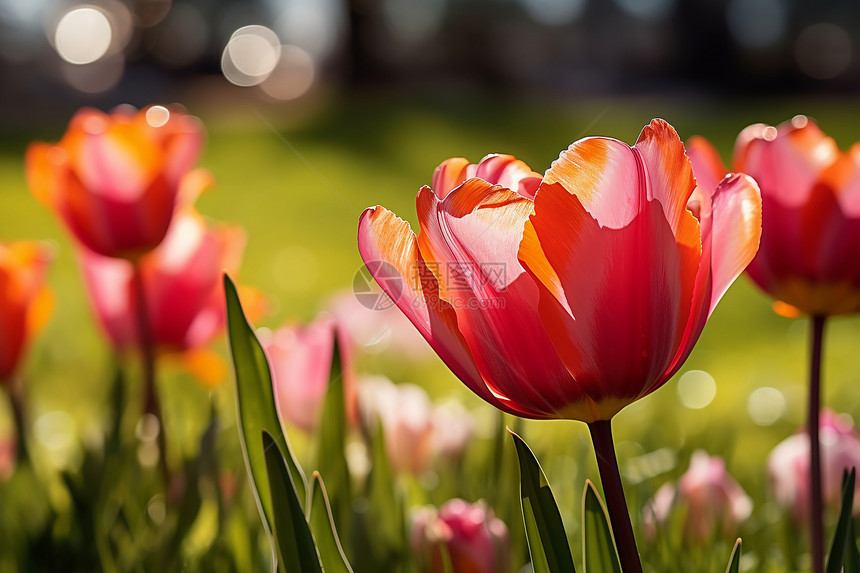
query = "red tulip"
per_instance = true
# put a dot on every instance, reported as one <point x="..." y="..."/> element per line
<point x="113" y="179"/>
<point x="573" y="295"/>
<point x="788" y="465"/>
<point x="182" y="279"/>
<point x="476" y="540"/>
<point x="811" y="204"/>
<point x="300" y="357"/>
<point x="712" y="499"/>
<point x="25" y="301"/>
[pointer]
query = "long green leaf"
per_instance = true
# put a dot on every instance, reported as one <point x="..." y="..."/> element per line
<point x="852" y="556"/>
<point x="324" y="530"/>
<point x="332" y="446"/>
<point x="255" y="403"/>
<point x="295" y="545"/>
<point x="598" y="546"/>
<point x="841" y="537"/>
<point x="384" y="525"/>
<point x="550" y="552"/>
<point x="735" y="558"/>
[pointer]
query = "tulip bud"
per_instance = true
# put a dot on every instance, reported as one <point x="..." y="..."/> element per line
<point x="301" y="358"/>
<point x="788" y="465"/>
<point x="476" y="540"/>
<point x="713" y="501"/>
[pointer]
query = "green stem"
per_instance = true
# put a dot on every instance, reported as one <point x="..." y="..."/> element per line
<point x="147" y="353"/>
<point x="16" y="401"/>
<point x="622" y="529"/>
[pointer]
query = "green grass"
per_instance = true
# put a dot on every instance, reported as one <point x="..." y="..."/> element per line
<point x="299" y="192"/>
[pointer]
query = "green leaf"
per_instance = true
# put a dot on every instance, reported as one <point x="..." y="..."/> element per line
<point x="255" y="403"/>
<point x="598" y="546"/>
<point x="852" y="556"/>
<point x="735" y="559"/>
<point x="384" y="524"/>
<point x="332" y="446"/>
<point x="447" y="566"/>
<point x="324" y="530"/>
<point x="841" y="537"/>
<point x="294" y="543"/>
<point x="550" y="552"/>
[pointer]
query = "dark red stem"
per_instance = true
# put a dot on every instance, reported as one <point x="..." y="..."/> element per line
<point x="816" y="529"/>
<point x="604" y="449"/>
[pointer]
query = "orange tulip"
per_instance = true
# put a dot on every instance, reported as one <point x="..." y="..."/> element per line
<point x="182" y="279"/>
<point x="573" y="295"/>
<point x="113" y="179"/>
<point x="25" y="302"/>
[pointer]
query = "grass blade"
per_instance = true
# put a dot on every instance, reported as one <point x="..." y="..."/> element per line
<point x="598" y="546"/>
<point x="735" y="558"/>
<point x="255" y="403"/>
<point x="294" y="543"/>
<point x="550" y="552"/>
<point x="324" y="530"/>
<point x="841" y="537"/>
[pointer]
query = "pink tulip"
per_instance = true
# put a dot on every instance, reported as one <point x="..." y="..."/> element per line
<point x="788" y="465"/>
<point x="182" y="280"/>
<point x="573" y="295"/>
<point x="477" y="541"/>
<point x="811" y="213"/>
<point x="300" y="357"/>
<point x="377" y="330"/>
<point x="712" y="499"/>
<point x="416" y="430"/>
<point x="114" y="178"/>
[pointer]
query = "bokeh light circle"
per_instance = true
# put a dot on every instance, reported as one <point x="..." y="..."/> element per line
<point x="696" y="389"/>
<point x="251" y="55"/>
<point x="83" y="35"/>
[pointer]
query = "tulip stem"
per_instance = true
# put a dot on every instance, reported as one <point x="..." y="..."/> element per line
<point x="604" y="450"/>
<point x="147" y="353"/>
<point x="816" y="529"/>
<point x="16" y="402"/>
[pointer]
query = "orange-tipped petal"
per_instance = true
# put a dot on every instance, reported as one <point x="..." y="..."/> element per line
<point x="472" y="239"/>
<point x="390" y="251"/>
<point x="607" y="177"/>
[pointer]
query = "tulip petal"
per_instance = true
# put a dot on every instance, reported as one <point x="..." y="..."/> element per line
<point x="623" y="291"/>
<point x="450" y="174"/>
<point x="708" y="167"/>
<point x="471" y="240"/>
<point x="786" y="161"/>
<point x="607" y="177"/>
<point x="670" y="177"/>
<point x="390" y="251"/>
<point x="735" y="232"/>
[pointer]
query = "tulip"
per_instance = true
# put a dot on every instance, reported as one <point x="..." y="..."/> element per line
<point x="810" y="231"/>
<point x="301" y="358"/>
<point x="788" y="466"/>
<point x="573" y="295"/>
<point x="181" y="278"/>
<point x="416" y="430"/>
<point x="476" y="540"/>
<point x="25" y="305"/>
<point x="113" y="179"/>
<point x="713" y="500"/>
<point x="25" y="301"/>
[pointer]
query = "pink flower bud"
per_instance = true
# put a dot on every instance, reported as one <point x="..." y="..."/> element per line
<point x="788" y="465"/>
<point x="476" y="540"/>
<point x="713" y="501"/>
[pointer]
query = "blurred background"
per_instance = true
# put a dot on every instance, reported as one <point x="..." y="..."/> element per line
<point x="316" y="109"/>
<point x="56" y="55"/>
